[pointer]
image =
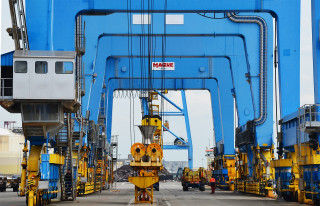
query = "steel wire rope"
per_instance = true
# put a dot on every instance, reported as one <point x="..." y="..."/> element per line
<point x="143" y="70"/>
<point x="129" y="59"/>
<point x="164" y="43"/>
<point x="132" y="72"/>
<point x="149" y="51"/>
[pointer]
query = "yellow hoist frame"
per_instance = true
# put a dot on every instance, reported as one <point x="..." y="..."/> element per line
<point x="147" y="157"/>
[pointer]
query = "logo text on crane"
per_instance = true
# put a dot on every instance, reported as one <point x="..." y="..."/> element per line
<point x="163" y="66"/>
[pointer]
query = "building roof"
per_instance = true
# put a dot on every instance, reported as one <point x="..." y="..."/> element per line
<point x="7" y="59"/>
<point x="44" y="54"/>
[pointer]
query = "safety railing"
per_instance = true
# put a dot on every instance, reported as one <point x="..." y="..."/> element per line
<point x="154" y="110"/>
<point x="6" y="89"/>
<point x="62" y="138"/>
<point x="309" y="116"/>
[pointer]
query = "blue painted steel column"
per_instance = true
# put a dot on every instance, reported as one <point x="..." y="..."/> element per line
<point x="315" y="7"/>
<point x="288" y="22"/>
<point x="144" y="102"/>
<point x="186" y="119"/>
<point x="109" y="107"/>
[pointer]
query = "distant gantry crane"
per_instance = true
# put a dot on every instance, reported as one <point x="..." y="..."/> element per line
<point x="66" y="68"/>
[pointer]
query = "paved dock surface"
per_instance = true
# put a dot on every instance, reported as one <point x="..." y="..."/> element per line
<point x="170" y="194"/>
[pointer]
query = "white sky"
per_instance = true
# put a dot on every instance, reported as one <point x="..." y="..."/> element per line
<point x="199" y="111"/>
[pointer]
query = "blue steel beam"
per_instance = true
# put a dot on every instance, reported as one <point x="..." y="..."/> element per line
<point x="171" y="102"/>
<point x="246" y="111"/>
<point x="175" y="147"/>
<point x="210" y="46"/>
<point x="170" y="84"/>
<point x="186" y="119"/>
<point x="106" y="54"/>
<point x="189" y="147"/>
<point x="237" y="93"/>
<point x="263" y="131"/>
<point x="184" y="112"/>
<point x="171" y="114"/>
<point x="226" y="102"/>
<point x="176" y="136"/>
<point x="287" y="13"/>
<point x="144" y="102"/>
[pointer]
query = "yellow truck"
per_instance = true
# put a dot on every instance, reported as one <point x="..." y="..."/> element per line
<point x="194" y="179"/>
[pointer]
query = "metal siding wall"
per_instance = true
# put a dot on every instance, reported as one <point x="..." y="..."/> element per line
<point x="7" y="59"/>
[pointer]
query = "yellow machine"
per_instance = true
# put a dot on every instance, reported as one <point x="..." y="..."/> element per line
<point x="147" y="157"/>
<point x="263" y="173"/>
<point x="224" y="171"/>
<point x="298" y="163"/>
<point x="22" y="186"/>
<point x="194" y="179"/>
<point x="86" y="183"/>
<point x="31" y="175"/>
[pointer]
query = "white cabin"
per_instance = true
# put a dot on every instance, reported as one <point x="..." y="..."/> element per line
<point x="44" y="75"/>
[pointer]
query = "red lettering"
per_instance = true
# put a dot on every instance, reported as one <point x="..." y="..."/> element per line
<point x="154" y="64"/>
<point x="162" y="64"/>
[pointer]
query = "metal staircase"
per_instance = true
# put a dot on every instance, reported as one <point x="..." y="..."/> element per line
<point x="114" y="158"/>
<point x="19" y="26"/>
<point x="99" y="169"/>
<point x="67" y="171"/>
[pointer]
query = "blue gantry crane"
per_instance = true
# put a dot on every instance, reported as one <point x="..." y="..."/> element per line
<point x="297" y="167"/>
<point x="75" y="55"/>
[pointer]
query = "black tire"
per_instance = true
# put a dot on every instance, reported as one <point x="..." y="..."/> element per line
<point x="286" y="197"/>
<point x="185" y="188"/>
<point x="296" y="196"/>
<point x="202" y="188"/>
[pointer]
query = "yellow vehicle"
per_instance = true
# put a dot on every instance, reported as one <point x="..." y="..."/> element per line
<point x="194" y="179"/>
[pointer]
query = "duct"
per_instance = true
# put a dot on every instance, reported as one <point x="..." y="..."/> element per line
<point x="263" y="60"/>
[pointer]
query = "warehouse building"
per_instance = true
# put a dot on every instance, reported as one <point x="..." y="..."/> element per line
<point x="11" y="145"/>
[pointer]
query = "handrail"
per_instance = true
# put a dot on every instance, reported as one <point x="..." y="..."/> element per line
<point x="309" y="115"/>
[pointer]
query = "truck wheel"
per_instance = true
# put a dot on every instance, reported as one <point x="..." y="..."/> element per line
<point x="185" y="188"/>
<point x="202" y="188"/>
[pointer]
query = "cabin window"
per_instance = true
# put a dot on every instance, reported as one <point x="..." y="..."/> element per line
<point x="20" y="67"/>
<point x="41" y="67"/>
<point x="64" y="67"/>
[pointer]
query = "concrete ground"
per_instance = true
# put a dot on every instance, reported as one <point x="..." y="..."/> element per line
<point x="170" y="194"/>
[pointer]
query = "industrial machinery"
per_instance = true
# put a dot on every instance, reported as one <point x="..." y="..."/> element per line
<point x="147" y="156"/>
<point x="3" y="184"/>
<point x="194" y="179"/>
<point x="66" y="68"/>
<point x="297" y="166"/>
<point x="224" y="171"/>
<point x="9" y="182"/>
